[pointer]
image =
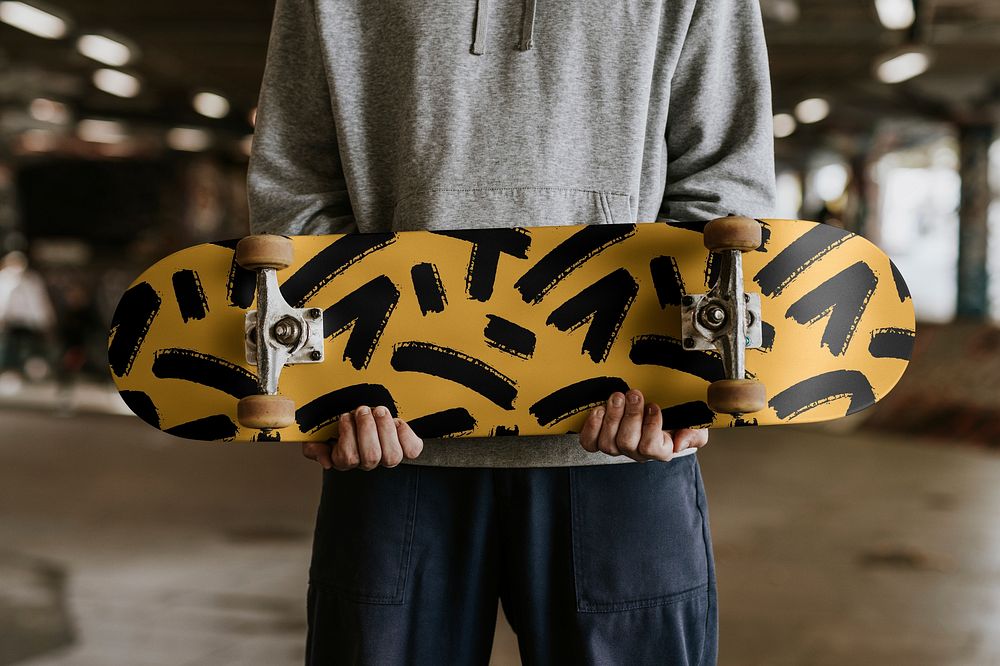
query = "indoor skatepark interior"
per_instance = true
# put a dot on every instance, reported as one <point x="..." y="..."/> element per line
<point x="124" y="135"/>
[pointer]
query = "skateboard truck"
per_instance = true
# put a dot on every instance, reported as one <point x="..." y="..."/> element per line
<point x="727" y="319"/>
<point x="275" y="334"/>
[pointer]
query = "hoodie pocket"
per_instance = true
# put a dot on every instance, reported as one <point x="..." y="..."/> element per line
<point x="490" y="206"/>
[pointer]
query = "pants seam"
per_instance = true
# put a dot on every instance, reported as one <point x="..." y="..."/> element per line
<point x="407" y="549"/>
<point x="708" y="560"/>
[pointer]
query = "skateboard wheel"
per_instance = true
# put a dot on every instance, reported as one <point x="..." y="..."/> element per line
<point x="732" y="233"/>
<point x="736" y="396"/>
<point x="266" y="412"/>
<point x="264" y="251"/>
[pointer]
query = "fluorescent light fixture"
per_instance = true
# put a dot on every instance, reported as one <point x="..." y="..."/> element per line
<point x="812" y="110"/>
<point x="117" y="83"/>
<point x="211" y="105"/>
<point x="902" y="65"/>
<point x="784" y="125"/>
<point x="189" y="139"/>
<point x="104" y="50"/>
<point x="896" y="14"/>
<point x="101" y="131"/>
<point x="49" y="111"/>
<point x="32" y="19"/>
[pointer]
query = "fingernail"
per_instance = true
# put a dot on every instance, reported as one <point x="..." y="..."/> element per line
<point x="600" y="412"/>
<point x="651" y="409"/>
<point x="344" y="415"/>
<point x="633" y="398"/>
<point x="616" y="401"/>
<point x="379" y="411"/>
<point x="363" y="410"/>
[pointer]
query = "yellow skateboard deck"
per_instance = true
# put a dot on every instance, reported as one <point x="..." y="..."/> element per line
<point x="513" y="331"/>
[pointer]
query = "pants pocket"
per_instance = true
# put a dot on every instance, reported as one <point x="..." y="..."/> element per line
<point x="638" y="535"/>
<point x="364" y="533"/>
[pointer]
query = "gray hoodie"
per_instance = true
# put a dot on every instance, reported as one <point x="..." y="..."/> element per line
<point x="378" y="116"/>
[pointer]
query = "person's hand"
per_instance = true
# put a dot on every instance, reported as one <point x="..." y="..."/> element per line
<point x="366" y="438"/>
<point x="627" y="426"/>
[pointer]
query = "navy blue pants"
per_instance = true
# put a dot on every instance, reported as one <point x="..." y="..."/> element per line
<point x="606" y="564"/>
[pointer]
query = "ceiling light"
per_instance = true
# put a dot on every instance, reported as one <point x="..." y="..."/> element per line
<point x="49" y="111"/>
<point x="32" y="19"/>
<point x="101" y="131"/>
<point x="812" y="110"/>
<point x="902" y="66"/>
<point x="896" y="14"/>
<point x="211" y="105"/>
<point x="830" y="181"/>
<point x="782" y="11"/>
<point x="784" y="125"/>
<point x="39" y="141"/>
<point x="190" y="139"/>
<point x="104" y="49"/>
<point x="117" y="83"/>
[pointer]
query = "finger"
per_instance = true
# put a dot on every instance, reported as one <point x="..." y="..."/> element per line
<point x="653" y="444"/>
<point x="690" y="438"/>
<point x="630" y="428"/>
<point x="591" y="429"/>
<point x="408" y="440"/>
<point x="392" y="452"/>
<point x="320" y="452"/>
<point x="369" y="450"/>
<point x="345" y="449"/>
<point x="609" y="426"/>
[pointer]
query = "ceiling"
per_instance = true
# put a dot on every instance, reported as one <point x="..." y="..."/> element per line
<point x="827" y="50"/>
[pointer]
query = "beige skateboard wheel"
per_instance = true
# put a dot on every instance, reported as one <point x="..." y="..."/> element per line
<point x="265" y="251"/>
<point x="736" y="396"/>
<point x="266" y="412"/>
<point x="732" y="233"/>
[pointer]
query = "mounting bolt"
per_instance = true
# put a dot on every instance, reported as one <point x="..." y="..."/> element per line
<point x="715" y="315"/>
<point x="688" y="343"/>
<point x="315" y="355"/>
<point x="687" y="301"/>
<point x="287" y="331"/>
<point x="315" y="313"/>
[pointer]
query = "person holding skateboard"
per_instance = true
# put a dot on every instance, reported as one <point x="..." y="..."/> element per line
<point x="385" y="117"/>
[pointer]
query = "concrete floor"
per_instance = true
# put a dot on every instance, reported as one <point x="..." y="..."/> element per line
<point x="121" y="546"/>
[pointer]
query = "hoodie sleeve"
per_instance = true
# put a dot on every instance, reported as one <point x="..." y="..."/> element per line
<point x="295" y="180"/>
<point x="720" y="141"/>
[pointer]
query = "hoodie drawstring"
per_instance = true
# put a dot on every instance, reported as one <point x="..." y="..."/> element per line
<point x="482" y="18"/>
<point x="528" y="25"/>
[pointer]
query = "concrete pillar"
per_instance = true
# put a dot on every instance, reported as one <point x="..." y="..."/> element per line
<point x="974" y="147"/>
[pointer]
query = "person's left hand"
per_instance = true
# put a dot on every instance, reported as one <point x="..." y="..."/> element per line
<point x="627" y="426"/>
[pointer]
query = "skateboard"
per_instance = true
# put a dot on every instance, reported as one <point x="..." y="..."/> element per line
<point x="512" y="331"/>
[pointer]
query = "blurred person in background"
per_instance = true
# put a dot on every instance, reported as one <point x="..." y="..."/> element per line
<point x="379" y="117"/>
<point x="27" y="319"/>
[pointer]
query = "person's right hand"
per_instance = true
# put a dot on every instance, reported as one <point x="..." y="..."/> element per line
<point x="366" y="438"/>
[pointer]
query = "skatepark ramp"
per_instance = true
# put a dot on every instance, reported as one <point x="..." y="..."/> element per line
<point x="951" y="390"/>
